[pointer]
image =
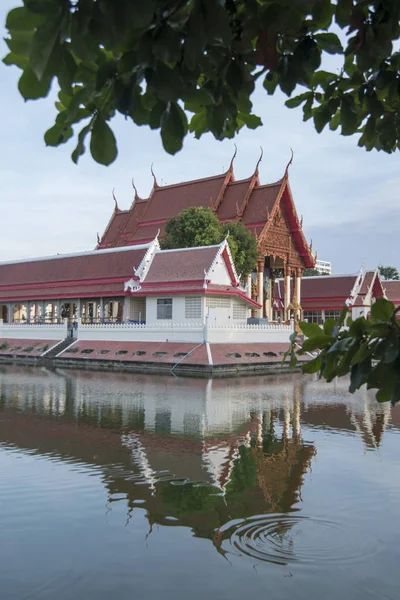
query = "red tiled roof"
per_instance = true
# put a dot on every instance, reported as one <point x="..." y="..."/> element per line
<point x="168" y="201"/>
<point x="233" y="198"/>
<point x="327" y="287"/>
<point x="70" y="275"/>
<point x="115" y="227"/>
<point x="181" y="265"/>
<point x="221" y="193"/>
<point x="392" y="289"/>
<point x="366" y="284"/>
<point x="262" y="201"/>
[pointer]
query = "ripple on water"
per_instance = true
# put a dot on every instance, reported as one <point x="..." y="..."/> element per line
<point x="286" y="539"/>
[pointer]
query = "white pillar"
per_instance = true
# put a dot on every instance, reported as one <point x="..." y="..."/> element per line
<point x="101" y="308"/>
<point x="287" y="293"/>
<point x="248" y="290"/>
<point x="260" y="278"/>
<point x="28" y="312"/>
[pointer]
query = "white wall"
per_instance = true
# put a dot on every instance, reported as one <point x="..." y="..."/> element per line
<point x="33" y="331"/>
<point x="219" y="273"/>
<point x="178" y="311"/>
<point x="186" y="332"/>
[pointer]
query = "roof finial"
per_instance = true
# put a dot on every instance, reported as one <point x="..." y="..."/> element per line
<point x="259" y="160"/>
<point x="115" y="200"/>
<point x="289" y="163"/>
<point x="134" y="187"/>
<point x="98" y="238"/>
<point x="233" y="158"/>
<point x="155" y="184"/>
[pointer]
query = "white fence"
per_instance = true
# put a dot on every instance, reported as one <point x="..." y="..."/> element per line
<point x="34" y="331"/>
<point x="186" y="332"/>
<point x="155" y="332"/>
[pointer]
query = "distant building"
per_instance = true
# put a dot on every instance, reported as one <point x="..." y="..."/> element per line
<point x="324" y="267"/>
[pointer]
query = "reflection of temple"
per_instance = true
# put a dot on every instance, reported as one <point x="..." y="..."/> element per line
<point x="248" y="454"/>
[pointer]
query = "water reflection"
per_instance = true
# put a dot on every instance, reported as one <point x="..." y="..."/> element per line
<point x="226" y="459"/>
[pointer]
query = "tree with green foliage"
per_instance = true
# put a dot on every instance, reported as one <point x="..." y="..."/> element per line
<point x="198" y="226"/>
<point x="388" y="273"/>
<point x="311" y="272"/>
<point x="192" y="65"/>
<point x="367" y="349"/>
<point x="243" y="247"/>
<point x="194" y="226"/>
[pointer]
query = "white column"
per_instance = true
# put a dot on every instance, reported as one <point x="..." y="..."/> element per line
<point x="249" y="286"/>
<point x="260" y="278"/>
<point x="28" y="312"/>
<point x="287" y="293"/>
<point x="101" y="308"/>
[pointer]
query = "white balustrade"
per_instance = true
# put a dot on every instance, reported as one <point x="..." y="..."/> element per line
<point x="34" y="331"/>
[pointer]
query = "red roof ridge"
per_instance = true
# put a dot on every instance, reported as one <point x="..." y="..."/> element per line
<point x="185" y="249"/>
<point x="170" y="185"/>
<point x="76" y="254"/>
<point x="267" y="185"/>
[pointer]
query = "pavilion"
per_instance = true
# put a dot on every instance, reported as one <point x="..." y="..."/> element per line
<point x="268" y="211"/>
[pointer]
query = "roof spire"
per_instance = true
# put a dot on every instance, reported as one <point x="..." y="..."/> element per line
<point x="134" y="187"/>
<point x="288" y="165"/>
<point x="98" y="238"/>
<point x="232" y="159"/>
<point x="155" y="184"/>
<point x="259" y="160"/>
<point x="116" y="208"/>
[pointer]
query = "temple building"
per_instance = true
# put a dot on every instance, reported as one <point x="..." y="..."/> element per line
<point x="324" y="297"/>
<point x="268" y="211"/>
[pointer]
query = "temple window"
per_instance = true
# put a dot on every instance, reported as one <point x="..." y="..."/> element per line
<point x="193" y="307"/>
<point x="313" y="316"/>
<point x="332" y="314"/>
<point x="164" y="308"/>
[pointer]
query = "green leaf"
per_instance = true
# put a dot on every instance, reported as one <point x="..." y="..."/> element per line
<point x="31" y="88"/>
<point x="317" y="342"/>
<point x="382" y="310"/>
<point x="322" y="13"/>
<point x="348" y="116"/>
<point x="323" y="78"/>
<point x="173" y="128"/>
<point x="329" y="326"/>
<point x="103" y="146"/>
<point x="21" y="19"/>
<point x="329" y="42"/>
<point x="310" y="330"/>
<point x="140" y="13"/>
<point x="322" y="115"/>
<point x="364" y="351"/>
<point x="334" y="122"/>
<point x="297" y="100"/>
<point x="13" y="59"/>
<point x="312" y="366"/>
<point x="43" y="42"/>
<point x="80" y="148"/>
<point x="251" y="121"/>
<point x="198" y="124"/>
<point x="58" y="134"/>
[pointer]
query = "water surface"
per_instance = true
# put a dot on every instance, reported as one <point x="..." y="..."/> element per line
<point x="146" y="487"/>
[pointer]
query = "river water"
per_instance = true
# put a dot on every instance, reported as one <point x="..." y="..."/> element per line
<point x="137" y="486"/>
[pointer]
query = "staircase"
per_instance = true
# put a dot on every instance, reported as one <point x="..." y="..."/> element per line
<point x="52" y="353"/>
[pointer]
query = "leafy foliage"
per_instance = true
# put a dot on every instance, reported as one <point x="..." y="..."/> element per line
<point x="192" y="65"/>
<point x="367" y="349"/>
<point x="311" y="272"/>
<point x="387" y="273"/>
<point x="198" y="226"/>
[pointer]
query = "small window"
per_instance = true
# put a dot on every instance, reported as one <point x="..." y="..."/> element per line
<point x="159" y="354"/>
<point x="71" y="350"/>
<point x="164" y="308"/>
<point x="252" y="355"/>
<point x="193" y="307"/>
<point x="139" y="353"/>
<point x="180" y="354"/>
<point x="121" y="352"/>
<point x="103" y="352"/>
<point x="233" y="355"/>
<point x="16" y="348"/>
<point x="270" y="354"/>
<point x="29" y="349"/>
<point x="87" y="351"/>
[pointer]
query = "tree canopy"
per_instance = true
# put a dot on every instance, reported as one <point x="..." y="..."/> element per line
<point x="198" y="226"/>
<point x="191" y="65"/>
<point x="387" y="273"/>
<point x="311" y="272"/>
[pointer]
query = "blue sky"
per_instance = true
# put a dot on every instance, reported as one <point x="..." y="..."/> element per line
<point x="349" y="198"/>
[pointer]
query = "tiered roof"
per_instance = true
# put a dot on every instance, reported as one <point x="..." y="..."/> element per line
<point x="246" y="200"/>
